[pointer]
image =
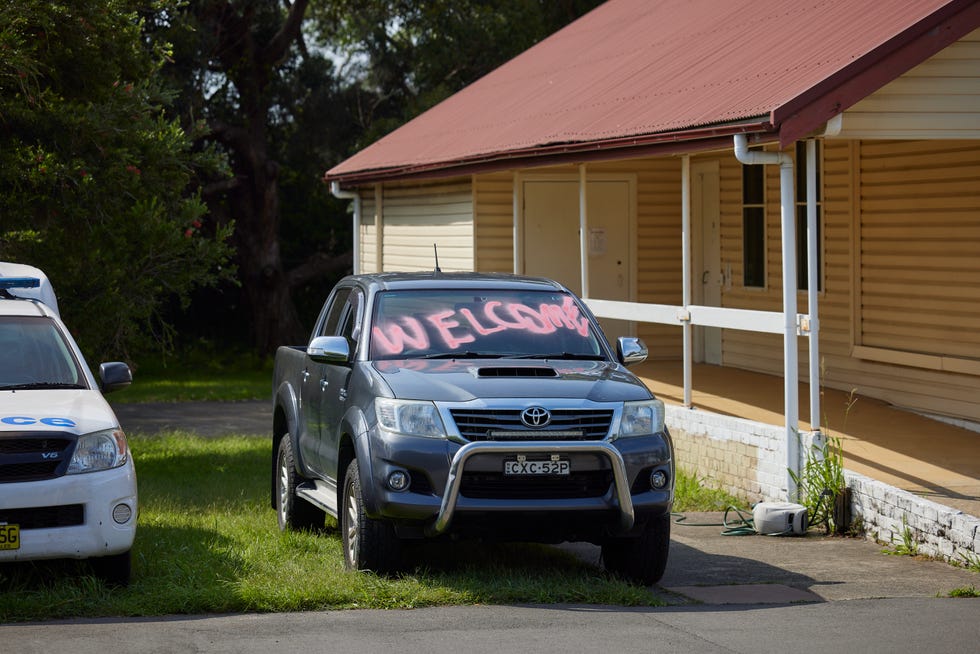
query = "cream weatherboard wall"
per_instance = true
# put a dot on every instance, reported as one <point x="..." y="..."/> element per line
<point x="900" y="301"/>
<point x="369" y="244"/>
<point x="900" y="305"/>
<point x="918" y="291"/>
<point x="939" y="98"/>
<point x="400" y="223"/>
<point x="658" y="202"/>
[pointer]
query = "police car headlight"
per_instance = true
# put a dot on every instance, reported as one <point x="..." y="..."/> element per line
<point x="642" y="418"/>
<point x="412" y="417"/>
<point x="100" y="450"/>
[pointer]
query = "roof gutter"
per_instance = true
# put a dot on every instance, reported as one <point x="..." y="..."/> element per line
<point x="714" y="137"/>
<point x="356" y="197"/>
<point x="791" y="391"/>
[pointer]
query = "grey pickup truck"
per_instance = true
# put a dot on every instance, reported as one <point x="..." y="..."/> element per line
<point x="463" y="405"/>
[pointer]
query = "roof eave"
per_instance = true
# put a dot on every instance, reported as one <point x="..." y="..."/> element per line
<point x="664" y="143"/>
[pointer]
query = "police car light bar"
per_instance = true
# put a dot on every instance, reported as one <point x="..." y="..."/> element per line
<point x="19" y="282"/>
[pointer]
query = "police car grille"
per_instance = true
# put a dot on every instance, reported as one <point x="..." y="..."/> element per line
<point x="506" y="425"/>
<point x="34" y="457"/>
<point x="45" y="517"/>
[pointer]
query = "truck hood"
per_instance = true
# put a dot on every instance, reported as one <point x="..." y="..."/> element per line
<point x="74" y="411"/>
<point x="462" y="380"/>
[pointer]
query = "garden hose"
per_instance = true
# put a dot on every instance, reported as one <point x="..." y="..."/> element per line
<point x="743" y="526"/>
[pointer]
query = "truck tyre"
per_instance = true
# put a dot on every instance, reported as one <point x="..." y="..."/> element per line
<point x="368" y="544"/>
<point x="114" y="570"/>
<point x="293" y="512"/>
<point x="640" y="559"/>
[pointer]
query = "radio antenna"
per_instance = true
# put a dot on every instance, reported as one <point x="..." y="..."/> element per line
<point x="435" y="251"/>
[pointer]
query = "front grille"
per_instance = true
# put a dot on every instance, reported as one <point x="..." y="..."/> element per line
<point x="506" y="425"/>
<point x="45" y="517"/>
<point x="494" y="485"/>
<point x="34" y="457"/>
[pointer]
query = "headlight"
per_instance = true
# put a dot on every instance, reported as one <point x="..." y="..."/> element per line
<point x="412" y="417"/>
<point x="642" y="418"/>
<point x="100" y="450"/>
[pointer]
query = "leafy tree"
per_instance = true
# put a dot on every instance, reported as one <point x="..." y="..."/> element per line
<point x="288" y="89"/>
<point x="243" y="68"/>
<point x="406" y="56"/>
<point x="97" y="185"/>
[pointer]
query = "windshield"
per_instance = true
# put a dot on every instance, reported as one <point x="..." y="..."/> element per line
<point x="477" y="323"/>
<point x="34" y="354"/>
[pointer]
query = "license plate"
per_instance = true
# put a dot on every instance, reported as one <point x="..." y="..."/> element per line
<point x="553" y="467"/>
<point x="9" y="537"/>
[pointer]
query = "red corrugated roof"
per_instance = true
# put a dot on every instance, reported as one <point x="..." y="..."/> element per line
<point x="638" y="73"/>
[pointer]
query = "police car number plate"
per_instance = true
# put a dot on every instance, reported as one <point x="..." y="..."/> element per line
<point x="9" y="537"/>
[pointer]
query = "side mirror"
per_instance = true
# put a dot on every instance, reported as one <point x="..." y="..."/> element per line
<point x="114" y="375"/>
<point x="329" y="349"/>
<point x="630" y="350"/>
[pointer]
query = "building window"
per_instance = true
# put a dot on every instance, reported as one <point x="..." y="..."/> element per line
<point x="801" y="224"/>
<point x="754" y="226"/>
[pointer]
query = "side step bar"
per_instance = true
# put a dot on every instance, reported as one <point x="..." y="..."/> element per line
<point x="319" y="494"/>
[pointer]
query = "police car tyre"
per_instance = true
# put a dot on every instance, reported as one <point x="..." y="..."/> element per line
<point x="115" y="570"/>
<point x="641" y="559"/>
<point x="368" y="544"/>
<point x="293" y="512"/>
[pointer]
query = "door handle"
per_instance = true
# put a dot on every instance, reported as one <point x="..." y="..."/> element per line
<point x="704" y="276"/>
<point x="323" y="384"/>
<point x="306" y="375"/>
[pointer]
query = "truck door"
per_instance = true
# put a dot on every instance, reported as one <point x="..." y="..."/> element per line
<point x="334" y="382"/>
<point x="310" y="393"/>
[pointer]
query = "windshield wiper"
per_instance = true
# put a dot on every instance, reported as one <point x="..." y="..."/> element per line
<point x="561" y="355"/>
<point x="38" y="386"/>
<point x="466" y="354"/>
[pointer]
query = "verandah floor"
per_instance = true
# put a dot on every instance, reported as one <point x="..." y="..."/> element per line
<point x="903" y="449"/>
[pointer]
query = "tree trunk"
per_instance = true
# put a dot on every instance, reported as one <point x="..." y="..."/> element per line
<point x="265" y="283"/>
<point x="250" y="65"/>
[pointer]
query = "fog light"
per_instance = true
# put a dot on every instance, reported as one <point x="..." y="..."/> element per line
<point x="658" y="479"/>
<point x="399" y="480"/>
<point x="121" y="513"/>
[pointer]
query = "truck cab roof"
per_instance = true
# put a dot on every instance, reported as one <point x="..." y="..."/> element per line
<point x="434" y="279"/>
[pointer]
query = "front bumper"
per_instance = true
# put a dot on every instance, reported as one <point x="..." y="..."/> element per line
<point x="450" y="497"/>
<point x="624" y="499"/>
<point x="96" y="533"/>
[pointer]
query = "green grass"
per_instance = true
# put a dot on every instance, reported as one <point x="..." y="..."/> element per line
<point x="198" y="378"/>
<point x="693" y="493"/>
<point x="207" y="542"/>
<point x="965" y="591"/>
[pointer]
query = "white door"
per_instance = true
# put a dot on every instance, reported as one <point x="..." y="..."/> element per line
<point x="551" y="239"/>
<point x="706" y="275"/>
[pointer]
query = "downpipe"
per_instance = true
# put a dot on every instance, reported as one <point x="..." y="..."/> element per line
<point x="790" y="355"/>
<point x="336" y="191"/>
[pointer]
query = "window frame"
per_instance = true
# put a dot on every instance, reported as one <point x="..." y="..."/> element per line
<point x="800" y="210"/>
<point x="755" y="208"/>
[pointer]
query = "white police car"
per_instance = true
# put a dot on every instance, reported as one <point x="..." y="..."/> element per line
<point x="67" y="480"/>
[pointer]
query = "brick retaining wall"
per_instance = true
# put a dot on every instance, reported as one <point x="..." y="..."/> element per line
<point x="747" y="459"/>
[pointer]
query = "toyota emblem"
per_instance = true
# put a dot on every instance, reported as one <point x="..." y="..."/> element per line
<point x="535" y="417"/>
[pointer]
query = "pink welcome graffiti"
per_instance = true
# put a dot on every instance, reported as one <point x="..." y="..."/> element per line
<point x="453" y="329"/>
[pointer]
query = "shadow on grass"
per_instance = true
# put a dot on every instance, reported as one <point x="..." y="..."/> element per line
<point x="175" y="570"/>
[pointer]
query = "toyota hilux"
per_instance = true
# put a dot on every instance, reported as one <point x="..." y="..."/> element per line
<point x="488" y="406"/>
